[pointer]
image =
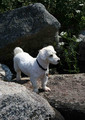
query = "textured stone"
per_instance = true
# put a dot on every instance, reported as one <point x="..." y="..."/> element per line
<point x="67" y="95"/>
<point x="18" y="103"/>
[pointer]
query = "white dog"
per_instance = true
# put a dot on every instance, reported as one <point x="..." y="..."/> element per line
<point x="36" y="68"/>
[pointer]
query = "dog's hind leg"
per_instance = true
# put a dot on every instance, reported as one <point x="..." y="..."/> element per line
<point x="18" y="72"/>
<point x="18" y="75"/>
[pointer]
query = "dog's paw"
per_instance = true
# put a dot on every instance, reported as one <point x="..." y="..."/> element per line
<point x="47" y="89"/>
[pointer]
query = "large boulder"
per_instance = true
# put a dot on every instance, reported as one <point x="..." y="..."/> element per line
<point x="30" y="27"/>
<point x="67" y="95"/>
<point x="18" y="103"/>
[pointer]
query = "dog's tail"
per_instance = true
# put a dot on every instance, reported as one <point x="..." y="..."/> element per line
<point x="17" y="50"/>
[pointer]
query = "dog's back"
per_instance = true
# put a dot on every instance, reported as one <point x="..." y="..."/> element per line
<point x="22" y="60"/>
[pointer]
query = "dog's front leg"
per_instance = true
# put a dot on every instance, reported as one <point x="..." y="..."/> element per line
<point x="34" y="84"/>
<point x="44" y="83"/>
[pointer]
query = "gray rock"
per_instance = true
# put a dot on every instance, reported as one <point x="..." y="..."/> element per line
<point x="18" y="103"/>
<point x="30" y="27"/>
<point x="67" y="95"/>
<point x="5" y="73"/>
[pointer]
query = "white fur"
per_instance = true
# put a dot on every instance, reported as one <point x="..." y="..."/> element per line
<point x="28" y="65"/>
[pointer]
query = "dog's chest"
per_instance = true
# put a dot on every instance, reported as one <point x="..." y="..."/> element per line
<point x="42" y="73"/>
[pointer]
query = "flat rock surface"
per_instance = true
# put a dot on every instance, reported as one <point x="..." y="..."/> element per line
<point x="67" y="91"/>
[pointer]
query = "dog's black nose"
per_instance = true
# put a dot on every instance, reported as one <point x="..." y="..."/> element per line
<point x="58" y="60"/>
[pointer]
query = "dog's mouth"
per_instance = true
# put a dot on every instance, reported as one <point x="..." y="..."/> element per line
<point x="58" y="62"/>
<point x="55" y="63"/>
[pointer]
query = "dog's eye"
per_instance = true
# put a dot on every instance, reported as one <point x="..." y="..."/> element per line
<point x="51" y="56"/>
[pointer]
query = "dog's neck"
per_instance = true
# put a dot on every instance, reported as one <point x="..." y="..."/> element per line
<point x="43" y="63"/>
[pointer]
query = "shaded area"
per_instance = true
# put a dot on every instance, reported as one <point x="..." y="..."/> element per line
<point x="72" y="115"/>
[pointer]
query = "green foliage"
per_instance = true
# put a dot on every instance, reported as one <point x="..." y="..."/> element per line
<point x="68" y="12"/>
<point x="68" y="54"/>
<point x="6" y="5"/>
<point x="82" y="23"/>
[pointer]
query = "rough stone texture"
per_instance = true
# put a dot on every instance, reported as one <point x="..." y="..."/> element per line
<point x="18" y="103"/>
<point x="5" y="73"/>
<point x="67" y="95"/>
<point x="30" y="27"/>
<point x="68" y="91"/>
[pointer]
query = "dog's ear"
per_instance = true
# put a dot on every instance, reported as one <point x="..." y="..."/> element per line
<point x="42" y="54"/>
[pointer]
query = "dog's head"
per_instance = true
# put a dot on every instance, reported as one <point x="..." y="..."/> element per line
<point x="49" y="54"/>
